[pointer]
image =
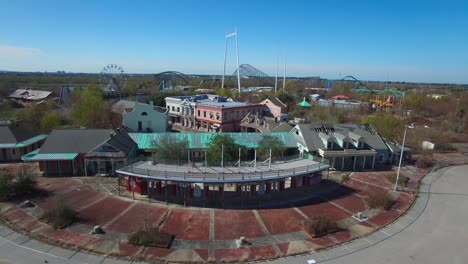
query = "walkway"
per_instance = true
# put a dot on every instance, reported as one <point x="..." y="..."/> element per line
<point x="401" y="242"/>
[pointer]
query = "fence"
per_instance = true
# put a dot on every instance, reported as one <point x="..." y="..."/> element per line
<point x="200" y="176"/>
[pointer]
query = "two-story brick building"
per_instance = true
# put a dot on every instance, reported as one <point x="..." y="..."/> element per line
<point x="223" y="116"/>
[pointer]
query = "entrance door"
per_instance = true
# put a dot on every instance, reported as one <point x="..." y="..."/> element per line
<point x="140" y="126"/>
<point x="4" y="155"/>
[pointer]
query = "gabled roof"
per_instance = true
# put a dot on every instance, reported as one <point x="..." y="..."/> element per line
<point x="16" y="133"/>
<point x="122" y="105"/>
<point x="85" y="140"/>
<point x="29" y="94"/>
<point x="311" y="134"/>
<point x="276" y="101"/>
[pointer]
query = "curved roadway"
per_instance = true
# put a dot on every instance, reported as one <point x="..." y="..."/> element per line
<point x="435" y="230"/>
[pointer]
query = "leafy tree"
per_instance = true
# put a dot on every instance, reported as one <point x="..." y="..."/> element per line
<point x="270" y="142"/>
<point x="169" y="147"/>
<point x="50" y="121"/>
<point x="90" y="110"/>
<point x="387" y="125"/>
<point x="219" y="142"/>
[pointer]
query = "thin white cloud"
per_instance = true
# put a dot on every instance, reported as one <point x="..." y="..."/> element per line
<point x="14" y="52"/>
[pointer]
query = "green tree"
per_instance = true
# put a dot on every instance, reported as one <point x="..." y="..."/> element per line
<point x="50" y="121"/>
<point x="387" y="125"/>
<point x="270" y="142"/>
<point x="90" y="110"/>
<point x="169" y="147"/>
<point x="218" y="142"/>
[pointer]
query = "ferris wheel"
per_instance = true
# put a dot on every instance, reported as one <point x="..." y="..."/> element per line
<point x="113" y="79"/>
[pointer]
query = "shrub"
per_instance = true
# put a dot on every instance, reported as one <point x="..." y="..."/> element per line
<point x="60" y="215"/>
<point x="402" y="180"/>
<point x="423" y="161"/>
<point x="24" y="184"/>
<point x="380" y="199"/>
<point x="150" y="237"/>
<point x="344" y="178"/>
<point x="321" y="226"/>
<point x="6" y="184"/>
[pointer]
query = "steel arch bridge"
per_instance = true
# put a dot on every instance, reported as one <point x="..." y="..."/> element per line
<point x="248" y="71"/>
<point x="173" y="76"/>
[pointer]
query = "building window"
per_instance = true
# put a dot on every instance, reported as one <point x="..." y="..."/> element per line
<point x="144" y="114"/>
<point x="225" y="115"/>
<point x="13" y="151"/>
<point x="329" y="145"/>
<point x="381" y="158"/>
<point x="178" y="109"/>
<point x="204" y="113"/>
<point x="173" y="109"/>
<point x="198" y="112"/>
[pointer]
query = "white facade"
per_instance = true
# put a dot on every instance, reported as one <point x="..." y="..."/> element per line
<point x="145" y="118"/>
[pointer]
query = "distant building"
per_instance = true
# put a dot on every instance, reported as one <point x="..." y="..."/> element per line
<point x="17" y="140"/>
<point x="145" y="118"/>
<point x="140" y="117"/>
<point x="344" y="146"/>
<point x="27" y="95"/>
<point x="259" y="123"/>
<point x="342" y="104"/>
<point x="68" y="152"/>
<point x="275" y="108"/>
<point x="223" y="116"/>
<point x="182" y="108"/>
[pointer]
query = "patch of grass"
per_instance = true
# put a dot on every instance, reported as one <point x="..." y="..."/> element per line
<point x="150" y="237"/>
<point x="320" y="226"/>
<point x="380" y="199"/>
<point x="402" y="180"/>
<point x="60" y="215"/>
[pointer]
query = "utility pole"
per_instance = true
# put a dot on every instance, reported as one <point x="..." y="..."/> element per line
<point x="285" y="59"/>
<point x="238" y="70"/>
<point x="276" y="77"/>
<point x="401" y="158"/>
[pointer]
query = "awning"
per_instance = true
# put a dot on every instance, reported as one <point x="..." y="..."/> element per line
<point x="36" y="156"/>
<point x="24" y="143"/>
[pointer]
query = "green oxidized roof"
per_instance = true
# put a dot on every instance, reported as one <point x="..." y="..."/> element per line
<point x="35" y="156"/>
<point x="201" y="140"/>
<point x="304" y="103"/>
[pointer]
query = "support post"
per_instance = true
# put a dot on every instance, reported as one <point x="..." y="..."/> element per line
<point x="59" y="163"/>
<point x="401" y="158"/>
<point x="224" y="69"/>
<point x="237" y="55"/>
<point x="255" y="160"/>
<point x="364" y="163"/>
<point x="269" y="161"/>
<point x="354" y="163"/>
<point x="373" y="161"/>
<point x="165" y="191"/>
<point x="222" y="156"/>
<point x="342" y="163"/>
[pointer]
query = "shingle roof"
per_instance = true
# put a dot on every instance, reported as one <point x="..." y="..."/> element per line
<point x="85" y="140"/>
<point x="313" y="141"/>
<point x="16" y="133"/>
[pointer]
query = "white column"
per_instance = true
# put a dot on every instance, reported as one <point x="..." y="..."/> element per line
<point x="342" y="163"/>
<point x="354" y="164"/>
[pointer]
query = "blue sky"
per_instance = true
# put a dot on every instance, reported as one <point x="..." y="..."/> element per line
<point x="396" y="40"/>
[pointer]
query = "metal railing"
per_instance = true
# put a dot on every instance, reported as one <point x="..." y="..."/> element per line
<point x="219" y="176"/>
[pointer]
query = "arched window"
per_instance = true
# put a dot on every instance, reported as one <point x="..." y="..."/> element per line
<point x="144" y="114"/>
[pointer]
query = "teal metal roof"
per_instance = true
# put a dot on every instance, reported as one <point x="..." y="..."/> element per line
<point x="36" y="156"/>
<point x="24" y="143"/>
<point x="304" y="103"/>
<point x="201" y="140"/>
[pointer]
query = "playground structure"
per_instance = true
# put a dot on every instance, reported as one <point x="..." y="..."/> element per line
<point x="380" y="99"/>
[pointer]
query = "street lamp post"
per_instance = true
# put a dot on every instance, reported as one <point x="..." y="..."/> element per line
<point x="401" y="158"/>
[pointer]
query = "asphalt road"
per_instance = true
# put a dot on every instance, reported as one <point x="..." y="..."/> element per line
<point x="438" y="235"/>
